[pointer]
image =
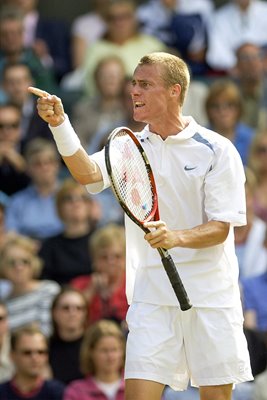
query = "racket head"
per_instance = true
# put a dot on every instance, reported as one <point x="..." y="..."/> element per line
<point x="131" y="176"/>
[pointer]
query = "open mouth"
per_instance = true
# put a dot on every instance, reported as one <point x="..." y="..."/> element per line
<point x="138" y="104"/>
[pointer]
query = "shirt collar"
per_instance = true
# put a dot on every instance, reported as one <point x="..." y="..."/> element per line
<point x="186" y="133"/>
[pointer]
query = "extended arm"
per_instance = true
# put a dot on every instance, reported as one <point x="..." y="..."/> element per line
<point x="80" y="165"/>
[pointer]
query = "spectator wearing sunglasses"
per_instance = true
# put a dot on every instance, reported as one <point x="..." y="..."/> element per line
<point x="13" y="175"/>
<point x="30" y="298"/>
<point x="69" y="319"/>
<point x="29" y="353"/>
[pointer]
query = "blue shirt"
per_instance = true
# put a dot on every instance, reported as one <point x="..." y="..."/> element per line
<point x="255" y="298"/>
<point x="50" y="390"/>
<point x="31" y="214"/>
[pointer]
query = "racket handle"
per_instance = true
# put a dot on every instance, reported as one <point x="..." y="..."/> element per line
<point x="176" y="282"/>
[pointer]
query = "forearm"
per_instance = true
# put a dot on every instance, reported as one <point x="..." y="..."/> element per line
<point x="206" y="235"/>
<point x="79" y="163"/>
<point x="83" y="168"/>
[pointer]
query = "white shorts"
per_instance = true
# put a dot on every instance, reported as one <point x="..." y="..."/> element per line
<point x="170" y="346"/>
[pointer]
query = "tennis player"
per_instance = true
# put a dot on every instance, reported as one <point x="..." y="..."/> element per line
<point x="200" y="184"/>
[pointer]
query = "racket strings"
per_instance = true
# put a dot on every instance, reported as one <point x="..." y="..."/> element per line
<point x="130" y="176"/>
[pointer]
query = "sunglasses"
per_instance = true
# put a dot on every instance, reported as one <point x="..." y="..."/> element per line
<point x="261" y="149"/>
<point x="10" y="126"/>
<point x="71" y="198"/>
<point x="68" y="307"/>
<point x="3" y="317"/>
<point x="14" y="262"/>
<point x="29" y="353"/>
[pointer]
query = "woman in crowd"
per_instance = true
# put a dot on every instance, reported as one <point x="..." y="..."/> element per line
<point x="30" y="298"/>
<point x="258" y="163"/>
<point x="105" y="287"/>
<point x="102" y="361"/>
<point x="69" y="311"/>
<point x="224" y="112"/>
<point x="66" y="255"/>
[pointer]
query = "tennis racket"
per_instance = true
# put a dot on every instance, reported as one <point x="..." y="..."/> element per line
<point x="134" y="186"/>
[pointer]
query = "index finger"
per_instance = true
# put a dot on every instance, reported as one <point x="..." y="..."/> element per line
<point x="38" y="92"/>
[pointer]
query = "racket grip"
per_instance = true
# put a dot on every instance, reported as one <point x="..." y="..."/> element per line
<point x="176" y="282"/>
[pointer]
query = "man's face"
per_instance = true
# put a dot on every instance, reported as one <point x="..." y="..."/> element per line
<point x="16" y="81"/>
<point x="11" y="33"/>
<point x="151" y="98"/>
<point x="9" y="125"/>
<point x="30" y="355"/>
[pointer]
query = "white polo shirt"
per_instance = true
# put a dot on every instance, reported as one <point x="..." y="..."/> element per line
<point x="199" y="177"/>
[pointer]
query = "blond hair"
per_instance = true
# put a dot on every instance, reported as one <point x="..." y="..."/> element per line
<point x="26" y="244"/>
<point x="107" y="236"/>
<point x="174" y="70"/>
<point x="97" y="331"/>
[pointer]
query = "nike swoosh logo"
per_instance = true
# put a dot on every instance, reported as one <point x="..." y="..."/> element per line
<point x="187" y="168"/>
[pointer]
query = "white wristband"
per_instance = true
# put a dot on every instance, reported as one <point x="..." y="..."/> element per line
<point x="66" y="138"/>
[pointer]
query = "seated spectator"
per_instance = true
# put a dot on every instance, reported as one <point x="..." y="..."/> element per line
<point x="258" y="164"/>
<point x="224" y="112"/>
<point x="32" y="211"/>
<point x="6" y="365"/>
<point x="252" y="82"/>
<point x="66" y="255"/>
<point x="3" y="203"/>
<point x="12" y="49"/>
<point x="106" y="109"/>
<point x="122" y="38"/>
<point x="86" y="29"/>
<point x="102" y="361"/>
<point x="17" y="78"/>
<point x="29" y="353"/>
<point x="30" y="298"/>
<point x="104" y="289"/>
<point x="13" y="174"/>
<point x="232" y="24"/>
<point x="254" y="294"/>
<point x="250" y="239"/>
<point x="69" y="319"/>
<point x="48" y="37"/>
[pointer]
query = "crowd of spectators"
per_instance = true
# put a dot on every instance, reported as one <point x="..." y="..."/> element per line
<point x="62" y="251"/>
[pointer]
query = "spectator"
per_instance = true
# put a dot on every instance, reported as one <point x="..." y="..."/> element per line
<point x="254" y="291"/>
<point x="122" y="38"/>
<point x="3" y="204"/>
<point x="17" y="78"/>
<point x="13" y="175"/>
<point x="252" y="83"/>
<point x="249" y="239"/>
<point x="102" y="361"/>
<point x="86" y="29"/>
<point x="106" y="108"/>
<point x="260" y="387"/>
<point x="6" y="365"/>
<point x="232" y="24"/>
<point x="104" y="289"/>
<point x="224" y="112"/>
<point x="258" y="164"/>
<point x="69" y="321"/>
<point x="29" y="350"/>
<point x="48" y="37"/>
<point x="32" y="211"/>
<point x="66" y="255"/>
<point x="30" y="298"/>
<point x="12" y="49"/>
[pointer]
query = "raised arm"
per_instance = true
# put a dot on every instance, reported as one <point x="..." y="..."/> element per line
<point x="80" y="165"/>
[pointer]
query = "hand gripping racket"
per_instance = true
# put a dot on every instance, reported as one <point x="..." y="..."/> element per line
<point x="134" y="186"/>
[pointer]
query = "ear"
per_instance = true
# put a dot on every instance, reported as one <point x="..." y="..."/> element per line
<point x="176" y="90"/>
